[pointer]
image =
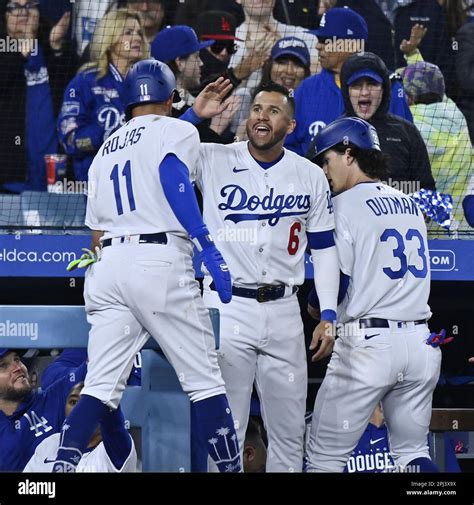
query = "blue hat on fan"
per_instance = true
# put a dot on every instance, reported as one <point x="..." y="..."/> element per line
<point x="292" y="46"/>
<point x="3" y="352"/>
<point x="365" y="72"/>
<point x="175" y="42"/>
<point x="468" y="206"/>
<point x="342" y="23"/>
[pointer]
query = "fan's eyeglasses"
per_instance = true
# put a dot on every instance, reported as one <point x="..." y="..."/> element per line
<point x="15" y="6"/>
<point x="219" y="45"/>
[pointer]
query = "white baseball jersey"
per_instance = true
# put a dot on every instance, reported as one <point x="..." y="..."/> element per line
<point x="389" y="268"/>
<point x="132" y="200"/>
<point x="96" y="460"/>
<point x="259" y="217"/>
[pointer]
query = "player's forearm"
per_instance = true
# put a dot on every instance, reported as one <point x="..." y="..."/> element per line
<point x="96" y="236"/>
<point x="326" y="275"/>
<point x="117" y="440"/>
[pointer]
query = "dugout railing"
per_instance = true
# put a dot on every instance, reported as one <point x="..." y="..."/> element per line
<point x="158" y="408"/>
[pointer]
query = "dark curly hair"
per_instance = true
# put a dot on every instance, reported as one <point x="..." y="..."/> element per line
<point x="373" y="163"/>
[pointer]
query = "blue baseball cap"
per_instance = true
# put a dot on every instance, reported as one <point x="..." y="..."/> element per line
<point x="292" y="46"/>
<point x="176" y="41"/>
<point x="342" y="23"/>
<point x="468" y="206"/>
<point x="365" y="72"/>
<point x="3" y="352"/>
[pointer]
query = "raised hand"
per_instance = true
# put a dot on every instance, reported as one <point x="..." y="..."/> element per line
<point x="209" y="102"/>
<point x="58" y="32"/>
<point x="408" y="47"/>
<point x="220" y="122"/>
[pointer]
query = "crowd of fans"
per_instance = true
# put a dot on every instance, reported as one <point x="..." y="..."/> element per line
<point x="405" y="66"/>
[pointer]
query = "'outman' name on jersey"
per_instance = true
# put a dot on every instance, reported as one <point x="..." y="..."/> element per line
<point x="383" y="205"/>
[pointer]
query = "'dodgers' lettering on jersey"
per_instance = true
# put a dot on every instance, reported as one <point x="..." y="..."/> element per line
<point x="237" y="199"/>
<point x="367" y="462"/>
<point x="116" y="142"/>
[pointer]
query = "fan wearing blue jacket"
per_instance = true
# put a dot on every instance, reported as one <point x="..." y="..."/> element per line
<point x="28" y="417"/>
<point x="319" y="101"/>
<point x="93" y="105"/>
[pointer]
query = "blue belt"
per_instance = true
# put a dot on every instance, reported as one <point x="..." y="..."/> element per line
<point x="151" y="238"/>
<point x="265" y="293"/>
<point x="375" y="322"/>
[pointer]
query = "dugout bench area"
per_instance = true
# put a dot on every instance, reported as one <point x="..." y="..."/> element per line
<point x="159" y="409"/>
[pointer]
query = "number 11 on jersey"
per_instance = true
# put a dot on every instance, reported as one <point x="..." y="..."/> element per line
<point x="114" y="177"/>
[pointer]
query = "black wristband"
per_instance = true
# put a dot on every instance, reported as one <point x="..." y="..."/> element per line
<point x="229" y="74"/>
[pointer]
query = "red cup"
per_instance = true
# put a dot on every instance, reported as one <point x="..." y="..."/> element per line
<point x="55" y="167"/>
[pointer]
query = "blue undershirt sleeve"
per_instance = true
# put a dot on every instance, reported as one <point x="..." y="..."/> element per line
<point x="174" y="177"/>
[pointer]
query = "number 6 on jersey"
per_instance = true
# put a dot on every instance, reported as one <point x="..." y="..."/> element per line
<point x="294" y="240"/>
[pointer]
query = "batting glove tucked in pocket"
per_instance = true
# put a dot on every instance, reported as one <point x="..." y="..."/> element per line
<point x="437" y="339"/>
<point x="88" y="258"/>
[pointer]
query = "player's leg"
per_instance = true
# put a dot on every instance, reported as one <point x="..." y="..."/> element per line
<point x="239" y="325"/>
<point x="408" y="407"/>
<point x="181" y="325"/>
<point x="358" y="376"/>
<point x="114" y="339"/>
<point x="282" y="384"/>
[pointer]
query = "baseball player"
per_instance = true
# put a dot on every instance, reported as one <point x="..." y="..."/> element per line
<point x="382" y="353"/>
<point x="26" y="416"/>
<point x="111" y="448"/>
<point x="372" y="453"/>
<point x="143" y="212"/>
<point x="264" y="205"/>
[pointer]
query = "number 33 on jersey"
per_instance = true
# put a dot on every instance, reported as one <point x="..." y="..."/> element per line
<point x="259" y="216"/>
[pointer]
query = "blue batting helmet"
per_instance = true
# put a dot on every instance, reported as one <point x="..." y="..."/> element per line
<point x="149" y="81"/>
<point x="346" y="130"/>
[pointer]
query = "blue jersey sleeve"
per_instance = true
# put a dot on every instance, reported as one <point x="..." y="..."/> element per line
<point x="79" y="131"/>
<point x="398" y="102"/>
<point x="67" y="362"/>
<point x="179" y="192"/>
<point x="117" y="440"/>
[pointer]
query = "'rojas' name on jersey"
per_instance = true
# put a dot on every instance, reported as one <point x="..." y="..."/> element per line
<point x="238" y="199"/>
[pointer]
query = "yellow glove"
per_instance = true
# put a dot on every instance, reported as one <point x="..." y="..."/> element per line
<point x="88" y="258"/>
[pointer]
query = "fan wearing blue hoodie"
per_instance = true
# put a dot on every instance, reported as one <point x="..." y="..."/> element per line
<point x="319" y="101"/>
